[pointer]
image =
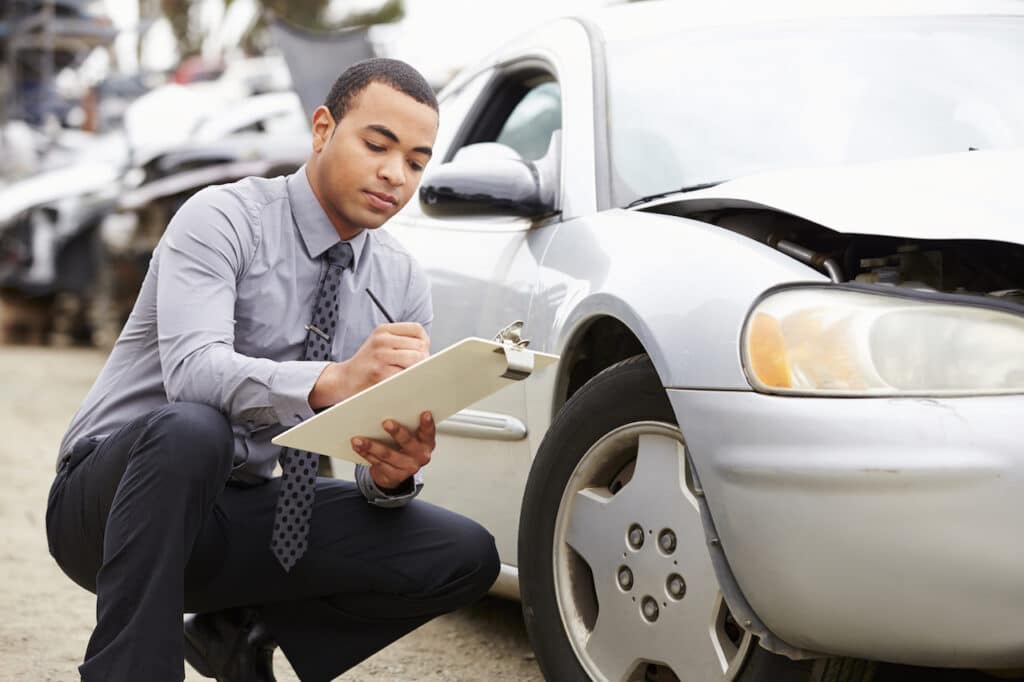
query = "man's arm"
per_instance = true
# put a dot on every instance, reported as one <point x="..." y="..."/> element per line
<point x="389" y="349"/>
<point x="204" y="253"/>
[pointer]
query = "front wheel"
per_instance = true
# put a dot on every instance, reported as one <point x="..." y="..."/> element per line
<point x="616" y="581"/>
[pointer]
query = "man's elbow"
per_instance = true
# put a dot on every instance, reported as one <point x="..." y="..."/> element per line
<point x="193" y="378"/>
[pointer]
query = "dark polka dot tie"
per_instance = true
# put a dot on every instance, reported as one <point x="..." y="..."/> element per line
<point x="298" y="467"/>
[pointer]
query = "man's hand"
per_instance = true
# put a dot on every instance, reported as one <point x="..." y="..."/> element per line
<point x="387" y="351"/>
<point x="389" y="467"/>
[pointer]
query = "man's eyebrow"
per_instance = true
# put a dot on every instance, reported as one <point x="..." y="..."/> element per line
<point x="386" y="132"/>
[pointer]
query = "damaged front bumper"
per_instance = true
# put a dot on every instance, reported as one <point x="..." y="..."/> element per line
<point x="882" y="528"/>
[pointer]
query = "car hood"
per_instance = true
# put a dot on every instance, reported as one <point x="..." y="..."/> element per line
<point x="969" y="195"/>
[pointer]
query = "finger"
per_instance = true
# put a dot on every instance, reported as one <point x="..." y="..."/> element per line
<point x="409" y="443"/>
<point x="385" y="340"/>
<point x="359" y="446"/>
<point x="399" y="433"/>
<point x="427" y="432"/>
<point x="410" y="329"/>
<point x="375" y="450"/>
<point x="400" y="358"/>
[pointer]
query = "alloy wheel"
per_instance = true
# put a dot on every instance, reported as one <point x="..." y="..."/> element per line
<point x="634" y="584"/>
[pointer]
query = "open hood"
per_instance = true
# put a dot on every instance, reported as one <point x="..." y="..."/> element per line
<point x="969" y="195"/>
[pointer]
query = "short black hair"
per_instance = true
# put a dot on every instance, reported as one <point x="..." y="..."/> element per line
<point x="392" y="72"/>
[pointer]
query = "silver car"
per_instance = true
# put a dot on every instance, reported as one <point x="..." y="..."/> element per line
<point x="780" y="254"/>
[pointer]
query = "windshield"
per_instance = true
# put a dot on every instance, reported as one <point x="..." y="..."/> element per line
<point x="706" y="106"/>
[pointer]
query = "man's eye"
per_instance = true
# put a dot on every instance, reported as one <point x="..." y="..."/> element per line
<point x="374" y="147"/>
<point x="415" y="166"/>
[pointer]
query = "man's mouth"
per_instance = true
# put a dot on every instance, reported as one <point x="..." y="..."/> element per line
<point x="381" y="200"/>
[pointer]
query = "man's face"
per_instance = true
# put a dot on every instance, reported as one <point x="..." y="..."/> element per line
<point x="367" y="166"/>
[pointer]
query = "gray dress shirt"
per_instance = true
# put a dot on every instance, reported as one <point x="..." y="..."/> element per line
<point x="220" y="318"/>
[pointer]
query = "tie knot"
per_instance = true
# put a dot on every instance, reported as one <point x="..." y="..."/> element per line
<point x="340" y="255"/>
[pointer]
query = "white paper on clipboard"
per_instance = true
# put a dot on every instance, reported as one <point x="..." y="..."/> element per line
<point x="444" y="383"/>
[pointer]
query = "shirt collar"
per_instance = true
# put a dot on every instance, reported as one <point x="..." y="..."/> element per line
<point x="318" y="233"/>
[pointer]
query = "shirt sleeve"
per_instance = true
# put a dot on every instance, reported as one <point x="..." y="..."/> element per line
<point x="202" y="256"/>
<point x="375" y="496"/>
<point x="419" y="305"/>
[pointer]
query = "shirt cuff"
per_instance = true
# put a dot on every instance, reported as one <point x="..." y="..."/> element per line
<point x="375" y="496"/>
<point x="290" y="387"/>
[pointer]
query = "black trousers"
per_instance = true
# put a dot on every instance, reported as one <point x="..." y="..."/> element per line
<point x="144" y="519"/>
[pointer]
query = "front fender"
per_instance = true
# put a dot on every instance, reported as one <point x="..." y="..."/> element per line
<point x="682" y="286"/>
<point x="684" y="289"/>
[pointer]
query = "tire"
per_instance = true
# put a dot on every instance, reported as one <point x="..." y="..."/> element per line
<point x="577" y="467"/>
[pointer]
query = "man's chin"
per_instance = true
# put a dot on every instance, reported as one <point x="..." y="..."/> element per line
<point x="374" y="224"/>
<point x="365" y="220"/>
<point x="371" y="220"/>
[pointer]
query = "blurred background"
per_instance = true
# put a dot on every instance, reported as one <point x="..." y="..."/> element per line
<point x="114" y="112"/>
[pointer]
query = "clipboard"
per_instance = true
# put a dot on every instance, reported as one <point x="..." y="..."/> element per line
<point x="443" y="384"/>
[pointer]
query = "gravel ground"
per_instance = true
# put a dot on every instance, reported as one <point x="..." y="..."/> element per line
<point x="47" y="618"/>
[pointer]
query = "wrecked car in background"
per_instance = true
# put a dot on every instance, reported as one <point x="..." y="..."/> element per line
<point x="76" y="236"/>
<point x="48" y="255"/>
<point x="265" y="135"/>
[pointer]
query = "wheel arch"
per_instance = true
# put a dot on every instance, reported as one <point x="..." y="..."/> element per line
<point x="597" y="332"/>
<point x="595" y="344"/>
<point x="600" y="332"/>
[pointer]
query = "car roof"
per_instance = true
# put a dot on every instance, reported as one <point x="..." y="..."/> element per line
<point x="649" y="19"/>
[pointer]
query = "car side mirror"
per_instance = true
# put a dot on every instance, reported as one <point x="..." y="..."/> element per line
<point x="489" y="178"/>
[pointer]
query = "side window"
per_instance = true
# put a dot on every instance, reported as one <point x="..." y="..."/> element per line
<point x="528" y="129"/>
<point x="521" y="109"/>
<point x="453" y="110"/>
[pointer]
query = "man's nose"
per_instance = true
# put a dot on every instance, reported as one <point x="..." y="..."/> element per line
<point x="393" y="171"/>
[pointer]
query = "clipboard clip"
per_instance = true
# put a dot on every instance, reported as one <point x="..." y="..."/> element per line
<point x="513" y="345"/>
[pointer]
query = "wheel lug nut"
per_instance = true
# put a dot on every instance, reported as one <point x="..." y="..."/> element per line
<point x="636" y="536"/>
<point x="625" y="578"/>
<point x="649" y="609"/>
<point x="676" y="586"/>
<point x="667" y="541"/>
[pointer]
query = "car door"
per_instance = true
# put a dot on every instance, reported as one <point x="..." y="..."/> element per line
<point x="483" y="270"/>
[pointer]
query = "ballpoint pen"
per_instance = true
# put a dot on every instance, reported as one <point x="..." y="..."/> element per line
<point x="380" y="306"/>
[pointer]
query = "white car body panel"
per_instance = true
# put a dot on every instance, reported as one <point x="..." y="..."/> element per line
<point x="689" y="347"/>
<point x="971" y="195"/>
<point x="878" y="528"/>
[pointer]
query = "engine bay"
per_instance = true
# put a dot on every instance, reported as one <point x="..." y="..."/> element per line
<point x="963" y="266"/>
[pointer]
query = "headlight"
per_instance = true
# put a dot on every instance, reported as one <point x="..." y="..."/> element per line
<point x="818" y="341"/>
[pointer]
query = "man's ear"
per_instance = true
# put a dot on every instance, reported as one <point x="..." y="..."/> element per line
<point x="323" y="127"/>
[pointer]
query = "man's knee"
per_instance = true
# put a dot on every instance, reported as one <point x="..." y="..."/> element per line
<point x="475" y="557"/>
<point x="192" y="439"/>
